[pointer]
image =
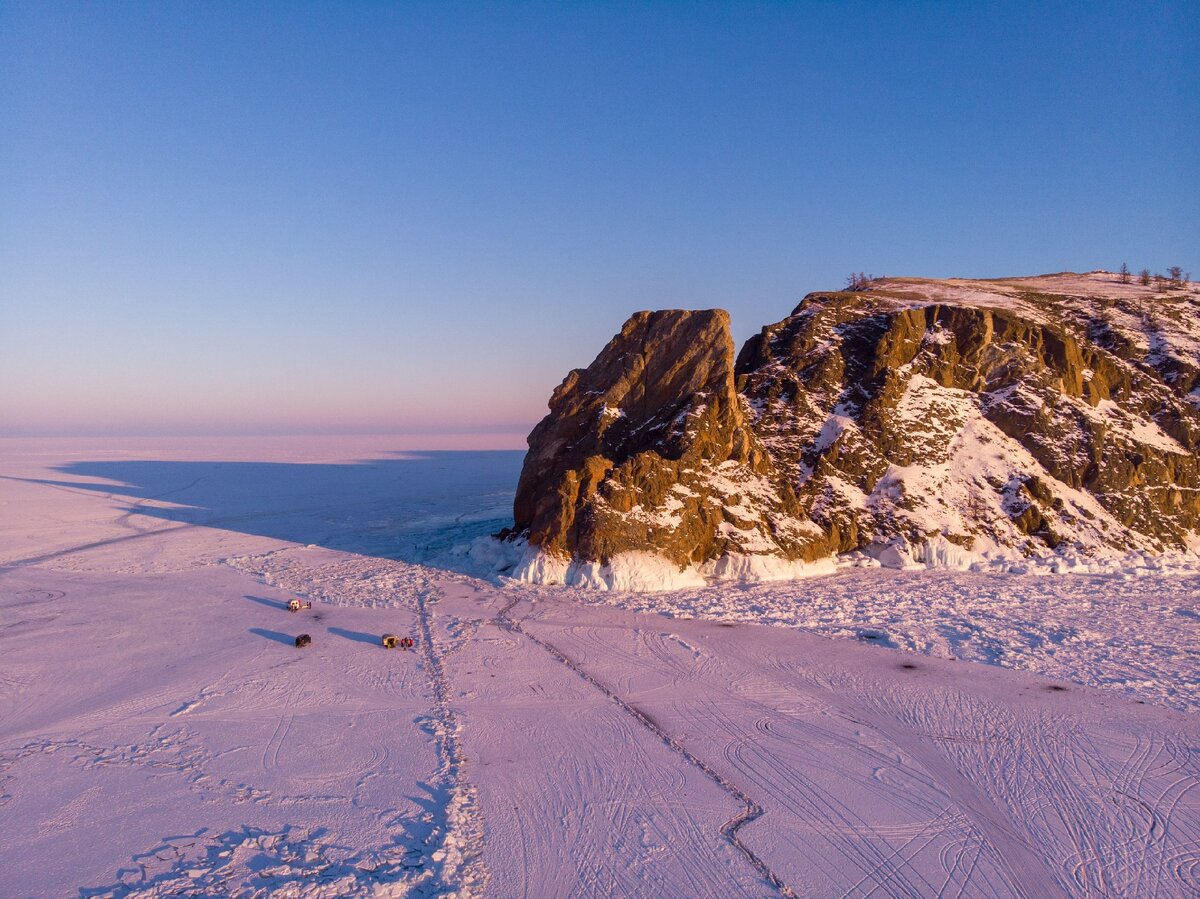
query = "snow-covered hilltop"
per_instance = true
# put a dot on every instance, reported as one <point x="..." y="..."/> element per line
<point x="1043" y="423"/>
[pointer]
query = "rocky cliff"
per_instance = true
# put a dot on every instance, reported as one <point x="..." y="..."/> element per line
<point x="1048" y="422"/>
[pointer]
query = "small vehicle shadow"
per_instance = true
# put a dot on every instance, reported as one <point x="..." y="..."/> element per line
<point x="274" y="635"/>
<point x="271" y="603"/>
<point x="356" y="636"/>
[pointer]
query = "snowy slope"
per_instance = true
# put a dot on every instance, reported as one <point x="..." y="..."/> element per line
<point x="1030" y="423"/>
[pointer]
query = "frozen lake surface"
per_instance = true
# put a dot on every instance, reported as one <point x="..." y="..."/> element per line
<point x="160" y="734"/>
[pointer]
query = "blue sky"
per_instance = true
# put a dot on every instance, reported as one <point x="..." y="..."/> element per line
<point x="254" y="218"/>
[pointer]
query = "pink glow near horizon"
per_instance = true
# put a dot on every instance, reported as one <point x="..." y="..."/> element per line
<point x="238" y="448"/>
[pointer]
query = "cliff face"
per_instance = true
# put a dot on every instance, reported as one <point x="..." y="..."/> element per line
<point x="934" y="421"/>
<point x="648" y="449"/>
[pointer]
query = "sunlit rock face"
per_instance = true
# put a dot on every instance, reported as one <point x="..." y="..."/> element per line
<point x="918" y="421"/>
<point x="648" y="448"/>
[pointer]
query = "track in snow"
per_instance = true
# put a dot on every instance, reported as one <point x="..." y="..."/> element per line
<point x="751" y="810"/>
<point x="464" y="831"/>
<point x="381" y="583"/>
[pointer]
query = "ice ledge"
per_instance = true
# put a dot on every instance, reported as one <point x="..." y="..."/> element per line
<point x="645" y="572"/>
<point x="638" y="572"/>
<point x="938" y="552"/>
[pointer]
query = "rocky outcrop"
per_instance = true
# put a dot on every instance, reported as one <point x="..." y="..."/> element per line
<point x="649" y="449"/>
<point x="915" y="421"/>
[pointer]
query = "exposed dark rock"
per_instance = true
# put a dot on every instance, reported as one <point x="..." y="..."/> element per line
<point x="1016" y="416"/>
<point x="648" y="449"/>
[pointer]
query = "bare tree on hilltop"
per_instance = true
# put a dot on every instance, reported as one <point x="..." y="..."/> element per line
<point x="1144" y="277"/>
<point x="1176" y="275"/>
<point x="859" y="281"/>
<point x="1124" y="273"/>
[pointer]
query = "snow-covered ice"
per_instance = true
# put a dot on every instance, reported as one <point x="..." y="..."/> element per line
<point x="160" y="734"/>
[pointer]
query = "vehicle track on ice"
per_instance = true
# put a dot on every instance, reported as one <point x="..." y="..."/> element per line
<point x="751" y="811"/>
